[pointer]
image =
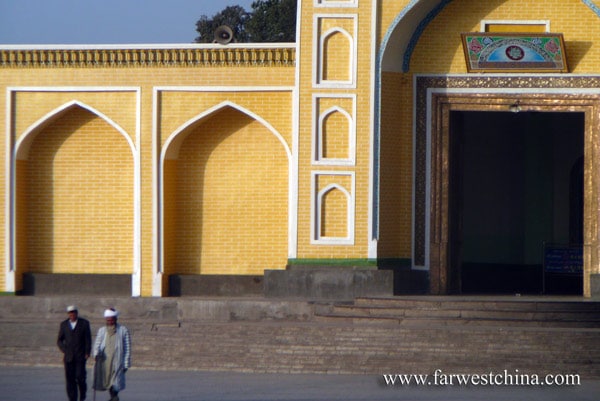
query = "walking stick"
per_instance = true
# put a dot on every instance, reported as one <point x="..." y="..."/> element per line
<point x="94" y="385"/>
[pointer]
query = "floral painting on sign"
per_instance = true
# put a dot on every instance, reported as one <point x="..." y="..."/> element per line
<point x="489" y="52"/>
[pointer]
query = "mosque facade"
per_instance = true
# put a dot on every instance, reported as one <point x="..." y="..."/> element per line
<point x="455" y="143"/>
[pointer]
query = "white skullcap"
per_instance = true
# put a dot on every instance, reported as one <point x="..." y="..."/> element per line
<point x="111" y="313"/>
<point x="71" y="308"/>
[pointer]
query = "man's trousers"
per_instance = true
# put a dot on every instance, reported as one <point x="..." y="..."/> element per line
<point x="75" y="375"/>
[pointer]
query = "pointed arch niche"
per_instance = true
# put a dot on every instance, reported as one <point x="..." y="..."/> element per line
<point x="224" y="195"/>
<point x="334" y="129"/>
<point x="74" y="195"/>
<point x="333" y="208"/>
<point x="336" y="46"/>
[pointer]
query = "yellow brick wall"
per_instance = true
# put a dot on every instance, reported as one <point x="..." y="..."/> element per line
<point x="334" y="214"/>
<point x="396" y="149"/>
<point x="227" y="208"/>
<point x="395" y="174"/>
<point x="337" y="47"/>
<point x="78" y="210"/>
<point x="335" y="136"/>
<point x="170" y="222"/>
<point x="336" y="66"/>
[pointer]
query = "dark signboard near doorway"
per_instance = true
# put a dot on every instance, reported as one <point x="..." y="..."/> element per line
<point x="566" y="259"/>
<point x="562" y="269"/>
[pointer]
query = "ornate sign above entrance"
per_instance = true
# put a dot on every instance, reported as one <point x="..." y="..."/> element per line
<point x="514" y="52"/>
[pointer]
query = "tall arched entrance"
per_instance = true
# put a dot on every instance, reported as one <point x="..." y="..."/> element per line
<point x="497" y="166"/>
<point x="424" y="95"/>
<point x="510" y="213"/>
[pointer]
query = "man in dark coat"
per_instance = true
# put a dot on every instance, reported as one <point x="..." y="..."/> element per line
<point x="75" y="342"/>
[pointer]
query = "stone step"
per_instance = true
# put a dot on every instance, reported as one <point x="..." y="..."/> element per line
<point x="541" y="304"/>
<point x="307" y="346"/>
<point x="369" y="314"/>
<point x="309" y="338"/>
<point x="312" y="347"/>
<point x="335" y="348"/>
<point x="471" y="311"/>
<point x="157" y="309"/>
<point x="450" y="321"/>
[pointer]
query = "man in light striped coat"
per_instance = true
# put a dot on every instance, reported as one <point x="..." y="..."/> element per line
<point x="112" y="351"/>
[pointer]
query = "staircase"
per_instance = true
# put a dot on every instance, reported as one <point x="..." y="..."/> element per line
<point x="471" y="311"/>
<point x="368" y="336"/>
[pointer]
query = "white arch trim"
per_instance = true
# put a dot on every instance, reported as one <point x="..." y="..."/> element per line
<point x="398" y="35"/>
<point x="171" y="147"/>
<point x="322" y="118"/>
<point x="317" y="204"/>
<point x="24" y="142"/>
<point x="332" y="110"/>
<point x="326" y="35"/>
<point x="329" y="188"/>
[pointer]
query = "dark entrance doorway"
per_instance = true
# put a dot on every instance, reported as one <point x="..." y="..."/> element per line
<point x="515" y="186"/>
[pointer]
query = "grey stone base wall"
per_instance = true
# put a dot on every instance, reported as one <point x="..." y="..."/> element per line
<point x="215" y="285"/>
<point x="74" y="284"/>
<point x="595" y="285"/>
<point x="327" y="283"/>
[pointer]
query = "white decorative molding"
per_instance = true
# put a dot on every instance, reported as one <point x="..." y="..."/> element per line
<point x="335" y="3"/>
<point x="279" y="54"/>
<point x="486" y="22"/>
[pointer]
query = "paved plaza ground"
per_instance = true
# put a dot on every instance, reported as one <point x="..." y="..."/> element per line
<point x="47" y="384"/>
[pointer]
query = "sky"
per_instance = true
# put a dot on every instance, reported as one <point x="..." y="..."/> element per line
<point x="105" y="21"/>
